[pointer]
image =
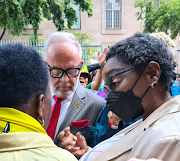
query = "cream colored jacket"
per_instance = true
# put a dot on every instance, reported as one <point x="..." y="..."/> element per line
<point x="31" y="146"/>
<point x="158" y="136"/>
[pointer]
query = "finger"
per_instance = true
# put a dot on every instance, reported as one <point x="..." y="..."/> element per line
<point x="66" y="144"/>
<point x="73" y="149"/>
<point x="105" y="50"/>
<point x="74" y="138"/>
<point x="67" y="131"/>
<point x="99" y="53"/>
<point x="80" y="137"/>
<point x="78" y="153"/>
<point x="60" y="135"/>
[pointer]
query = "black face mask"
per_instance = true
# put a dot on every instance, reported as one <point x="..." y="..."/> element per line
<point x="126" y="105"/>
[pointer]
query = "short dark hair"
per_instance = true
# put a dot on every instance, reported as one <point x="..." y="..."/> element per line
<point x="139" y="50"/>
<point x="23" y="76"/>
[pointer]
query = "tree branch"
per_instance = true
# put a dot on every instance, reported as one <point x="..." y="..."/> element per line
<point x="3" y="34"/>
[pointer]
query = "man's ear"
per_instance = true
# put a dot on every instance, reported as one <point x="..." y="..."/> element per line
<point x="81" y="64"/>
<point x="154" y="72"/>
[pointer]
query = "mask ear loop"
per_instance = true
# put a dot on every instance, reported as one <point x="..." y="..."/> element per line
<point x="136" y="82"/>
<point x="145" y="92"/>
<point x="137" y="79"/>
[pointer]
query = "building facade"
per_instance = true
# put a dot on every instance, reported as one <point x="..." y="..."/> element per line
<point x="113" y="20"/>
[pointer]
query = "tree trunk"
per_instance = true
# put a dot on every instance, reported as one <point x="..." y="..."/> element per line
<point x="3" y="34"/>
<point x="35" y="32"/>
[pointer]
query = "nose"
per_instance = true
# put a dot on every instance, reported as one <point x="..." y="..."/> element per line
<point x="64" y="78"/>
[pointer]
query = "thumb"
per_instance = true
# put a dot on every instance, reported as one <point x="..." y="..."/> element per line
<point x="61" y="135"/>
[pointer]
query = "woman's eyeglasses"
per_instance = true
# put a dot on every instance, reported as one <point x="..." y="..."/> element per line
<point x="109" y="83"/>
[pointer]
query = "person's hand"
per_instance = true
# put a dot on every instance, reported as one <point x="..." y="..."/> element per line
<point x="152" y="159"/>
<point x="75" y="144"/>
<point x="68" y="139"/>
<point x="101" y="57"/>
<point x="113" y="118"/>
<point x="66" y="136"/>
<point x="81" y="143"/>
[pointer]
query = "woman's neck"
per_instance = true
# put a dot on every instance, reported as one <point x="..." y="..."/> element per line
<point x="155" y="102"/>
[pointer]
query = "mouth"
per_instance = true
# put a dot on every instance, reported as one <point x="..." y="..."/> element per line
<point x="82" y="82"/>
<point x="64" y="88"/>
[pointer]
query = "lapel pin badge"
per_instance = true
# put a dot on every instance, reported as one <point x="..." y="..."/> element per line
<point x="78" y="104"/>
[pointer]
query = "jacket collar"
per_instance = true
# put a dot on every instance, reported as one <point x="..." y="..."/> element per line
<point x="19" y="121"/>
<point x="127" y="142"/>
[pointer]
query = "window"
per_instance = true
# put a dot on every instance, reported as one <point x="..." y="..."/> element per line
<point x="112" y="13"/>
<point x="157" y="4"/>
<point x="29" y="26"/>
<point x="77" y="24"/>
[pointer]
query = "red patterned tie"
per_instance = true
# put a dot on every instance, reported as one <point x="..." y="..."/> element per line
<point x="54" y="117"/>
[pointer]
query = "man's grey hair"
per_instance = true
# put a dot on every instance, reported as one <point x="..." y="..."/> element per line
<point x="61" y="37"/>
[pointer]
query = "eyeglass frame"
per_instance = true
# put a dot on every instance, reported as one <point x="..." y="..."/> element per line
<point x="63" y="71"/>
<point x="110" y="78"/>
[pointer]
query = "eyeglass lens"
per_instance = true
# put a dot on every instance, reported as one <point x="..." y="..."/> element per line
<point x="58" y="73"/>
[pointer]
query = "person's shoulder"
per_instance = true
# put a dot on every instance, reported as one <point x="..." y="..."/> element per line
<point x="92" y="93"/>
<point x="59" y="154"/>
<point x="164" y="128"/>
<point x="89" y="95"/>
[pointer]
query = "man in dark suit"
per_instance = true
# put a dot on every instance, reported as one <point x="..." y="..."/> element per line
<point x="72" y="104"/>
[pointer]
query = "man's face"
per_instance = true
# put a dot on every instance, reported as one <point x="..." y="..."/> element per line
<point x="63" y="56"/>
<point x="173" y="55"/>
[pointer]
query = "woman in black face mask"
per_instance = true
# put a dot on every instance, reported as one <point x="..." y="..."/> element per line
<point x="138" y="74"/>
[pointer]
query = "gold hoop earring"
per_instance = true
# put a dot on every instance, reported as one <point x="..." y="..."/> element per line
<point x="41" y="121"/>
<point x="153" y="84"/>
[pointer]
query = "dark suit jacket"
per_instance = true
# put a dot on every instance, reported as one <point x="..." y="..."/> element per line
<point x="86" y="105"/>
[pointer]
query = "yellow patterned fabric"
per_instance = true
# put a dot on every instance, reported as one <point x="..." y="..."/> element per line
<point x="18" y="121"/>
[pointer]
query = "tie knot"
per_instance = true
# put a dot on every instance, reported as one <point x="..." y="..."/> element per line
<point x="57" y="99"/>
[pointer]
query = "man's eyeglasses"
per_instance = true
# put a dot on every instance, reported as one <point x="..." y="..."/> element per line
<point x="58" y="72"/>
<point x="109" y="83"/>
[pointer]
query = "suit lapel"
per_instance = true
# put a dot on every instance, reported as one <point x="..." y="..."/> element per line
<point x="74" y="108"/>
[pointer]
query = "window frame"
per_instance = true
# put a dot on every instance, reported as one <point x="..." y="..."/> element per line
<point x="120" y="12"/>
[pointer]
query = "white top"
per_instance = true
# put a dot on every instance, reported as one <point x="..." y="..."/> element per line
<point x="64" y="107"/>
<point x="102" y="146"/>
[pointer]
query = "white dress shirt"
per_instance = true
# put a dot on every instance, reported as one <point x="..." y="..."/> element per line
<point x="64" y="107"/>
